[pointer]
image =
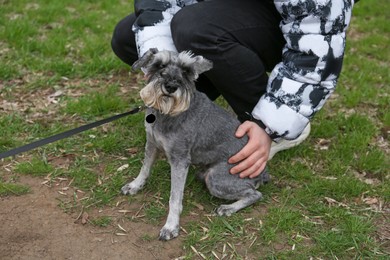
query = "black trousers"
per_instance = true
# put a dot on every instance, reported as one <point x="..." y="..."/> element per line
<point x="241" y="38"/>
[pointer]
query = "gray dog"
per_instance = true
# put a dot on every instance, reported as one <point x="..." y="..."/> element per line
<point x="189" y="129"/>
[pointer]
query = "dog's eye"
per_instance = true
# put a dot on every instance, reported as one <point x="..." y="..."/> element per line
<point x="159" y="65"/>
<point x="186" y="70"/>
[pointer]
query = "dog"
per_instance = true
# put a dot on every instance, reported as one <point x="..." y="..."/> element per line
<point x="189" y="129"/>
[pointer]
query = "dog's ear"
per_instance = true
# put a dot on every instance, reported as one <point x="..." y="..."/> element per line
<point x="145" y="60"/>
<point x="201" y="65"/>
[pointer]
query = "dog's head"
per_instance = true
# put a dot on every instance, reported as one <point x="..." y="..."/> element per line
<point x="171" y="79"/>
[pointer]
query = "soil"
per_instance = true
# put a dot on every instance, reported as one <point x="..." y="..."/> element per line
<point x="33" y="226"/>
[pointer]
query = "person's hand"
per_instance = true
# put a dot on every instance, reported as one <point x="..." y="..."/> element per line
<point x="254" y="155"/>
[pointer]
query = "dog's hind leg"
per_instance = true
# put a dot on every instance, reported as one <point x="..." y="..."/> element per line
<point x="201" y="173"/>
<point x="249" y="199"/>
<point x="151" y="153"/>
<point x="223" y="185"/>
<point x="179" y="171"/>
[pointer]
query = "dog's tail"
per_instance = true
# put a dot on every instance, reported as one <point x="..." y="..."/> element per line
<point x="263" y="178"/>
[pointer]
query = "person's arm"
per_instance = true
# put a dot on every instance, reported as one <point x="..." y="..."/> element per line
<point x="152" y="26"/>
<point x="299" y="85"/>
<point x="312" y="59"/>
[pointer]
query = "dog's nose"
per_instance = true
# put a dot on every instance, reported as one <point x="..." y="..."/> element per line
<point x="171" y="88"/>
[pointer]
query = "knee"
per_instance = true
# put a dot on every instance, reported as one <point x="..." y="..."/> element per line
<point x="189" y="31"/>
<point x="180" y="34"/>
<point x="118" y="38"/>
<point x="123" y="40"/>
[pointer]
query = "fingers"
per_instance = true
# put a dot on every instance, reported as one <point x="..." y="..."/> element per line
<point x="256" y="172"/>
<point x="243" y="129"/>
<point x="252" y="166"/>
<point x="253" y="157"/>
<point x="249" y="149"/>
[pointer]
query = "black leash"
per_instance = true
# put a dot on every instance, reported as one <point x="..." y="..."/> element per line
<point x="65" y="134"/>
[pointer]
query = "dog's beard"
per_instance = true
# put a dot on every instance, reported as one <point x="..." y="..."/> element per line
<point x="168" y="104"/>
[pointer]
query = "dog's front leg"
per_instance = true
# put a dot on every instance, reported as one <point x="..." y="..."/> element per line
<point x="151" y="152"/>
<point x="179" y="173"/>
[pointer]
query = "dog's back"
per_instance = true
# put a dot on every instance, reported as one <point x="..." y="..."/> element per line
<point x="207" y="135"/>
<point x="207" y="130"/>
<point x="216" y="140"/>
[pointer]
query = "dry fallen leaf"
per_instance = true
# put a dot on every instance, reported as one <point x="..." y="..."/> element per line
<point x="322" y="144"/>
<point x="123" y="167"/>
<point x="58" y="93"/>
<point x="200" y="207"/>
<point x="121" y="228"/>
<point x="332" y="202"/>
<point x="9" y="106"/>
<point x="84" y="218"/>
<point x="370" y="201"/>
<point x="365" y="177"/>
<point x="132" y="150"/>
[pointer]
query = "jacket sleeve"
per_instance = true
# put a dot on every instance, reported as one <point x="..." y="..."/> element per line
<point x="152" y="25"/>
<point x="298" y="86"/>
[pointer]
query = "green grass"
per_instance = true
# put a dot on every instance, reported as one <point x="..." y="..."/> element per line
<point x="317" y="203"/>
<point x="103" y="221"/>
<point x="35" y="167"/>
<point x="8" y="189"/>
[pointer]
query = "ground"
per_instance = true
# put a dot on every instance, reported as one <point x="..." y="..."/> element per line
<point x="328" y="198"/>
<point x="34" y="227"/>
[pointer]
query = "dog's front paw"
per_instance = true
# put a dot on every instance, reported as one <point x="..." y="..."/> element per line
<point x="131" y="188"/>
<point x="167" y="233"/>
<point x="225" y="210"/>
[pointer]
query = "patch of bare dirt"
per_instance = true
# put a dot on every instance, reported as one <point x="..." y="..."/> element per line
<point x="383" y="232"/>
<point x="33" y="226"/>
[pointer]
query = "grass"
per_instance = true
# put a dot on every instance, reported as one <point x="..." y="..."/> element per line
<point x="7" y="189"/>
<point x="103" y="221"/>
<point x="328" y="197"/>
<point x="34" y="167"/>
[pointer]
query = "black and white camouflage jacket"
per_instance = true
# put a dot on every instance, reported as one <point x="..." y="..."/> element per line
<point x="315" y="32"/>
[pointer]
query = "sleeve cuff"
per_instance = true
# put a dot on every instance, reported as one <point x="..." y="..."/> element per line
<point x="274" y="136"/>
<point x="280" y="121"/>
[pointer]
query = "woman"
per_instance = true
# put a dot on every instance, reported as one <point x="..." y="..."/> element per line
<point x="300" y="42"/>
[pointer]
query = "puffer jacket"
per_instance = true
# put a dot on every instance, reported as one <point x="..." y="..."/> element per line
<point x="315" y="32"/>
